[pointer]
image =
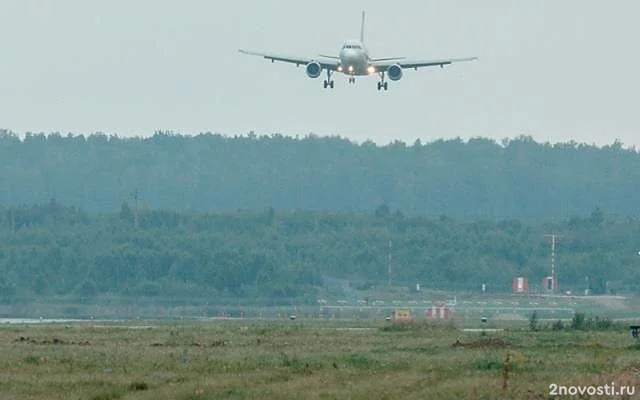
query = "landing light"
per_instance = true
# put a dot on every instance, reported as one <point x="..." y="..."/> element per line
<point x="350" y="68"/>
<point x="339" y="68"/>
<point x="371" y="69"/>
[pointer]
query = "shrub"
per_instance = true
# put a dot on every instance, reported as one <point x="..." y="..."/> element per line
<point x="557" y="326"/>
<point x="578" y="321"/>
<point x="533" y="321"/>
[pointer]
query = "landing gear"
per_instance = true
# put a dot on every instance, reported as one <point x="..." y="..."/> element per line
<point x="352" y="79"/>
<point x="382" y="84"/>
<point x="328" y="82"/>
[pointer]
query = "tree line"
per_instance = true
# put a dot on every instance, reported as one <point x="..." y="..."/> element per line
<point x="479" y="178"/>
<point x="51" y="249"/>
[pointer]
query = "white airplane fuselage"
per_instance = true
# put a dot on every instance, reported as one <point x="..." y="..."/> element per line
<point x="354" y="59"/>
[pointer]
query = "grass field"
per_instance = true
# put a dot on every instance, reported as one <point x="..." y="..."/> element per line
<point x="310" y="360"/>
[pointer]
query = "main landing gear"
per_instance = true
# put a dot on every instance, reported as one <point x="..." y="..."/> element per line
<point x="382" y="84"/>
<point x="328" y="82"/>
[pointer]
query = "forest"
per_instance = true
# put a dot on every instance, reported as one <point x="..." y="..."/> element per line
<point x="275" y="217"/>
<point x="478" y="178"/>
<point x="56" y="250"/>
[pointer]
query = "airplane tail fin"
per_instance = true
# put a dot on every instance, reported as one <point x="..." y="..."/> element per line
<point x="362" y="29"/>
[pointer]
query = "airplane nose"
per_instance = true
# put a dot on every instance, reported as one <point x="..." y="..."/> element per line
<point x="349" y="59"/>
<point x="350" y="56"/>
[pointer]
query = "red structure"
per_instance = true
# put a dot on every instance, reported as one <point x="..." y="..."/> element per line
<point x="437" y="312"/>
<point x="520" y="285"/>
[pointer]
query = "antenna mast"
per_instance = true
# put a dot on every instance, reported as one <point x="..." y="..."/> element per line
<point x="389" y="263"/>
<point x="554" y="281"/>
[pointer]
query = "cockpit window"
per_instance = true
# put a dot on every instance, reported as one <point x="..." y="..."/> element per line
<point x="352" y="46"/>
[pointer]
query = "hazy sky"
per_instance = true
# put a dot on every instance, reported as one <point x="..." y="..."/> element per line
<point x="555" y="70"/>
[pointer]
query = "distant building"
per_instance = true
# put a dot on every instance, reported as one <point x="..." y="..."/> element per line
<point x="401" y="315"/>
<point x="550" y="284"/>
<point x="520" y="285"/>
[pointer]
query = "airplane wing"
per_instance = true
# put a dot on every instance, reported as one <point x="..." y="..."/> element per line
<point x="388" y="59"/>
<point x="324" y="61"/>
<point x="384" y="64"/>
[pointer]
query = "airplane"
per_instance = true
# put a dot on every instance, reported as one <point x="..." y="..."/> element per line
<point x="354" y="60"/>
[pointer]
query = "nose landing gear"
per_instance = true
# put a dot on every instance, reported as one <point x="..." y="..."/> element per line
<point x="352" y="79"/>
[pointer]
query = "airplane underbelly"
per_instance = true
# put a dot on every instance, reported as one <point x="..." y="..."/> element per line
<point x="352" y="66"/>
<point x="360" y="70"/>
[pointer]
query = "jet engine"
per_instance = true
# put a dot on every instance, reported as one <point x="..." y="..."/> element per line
<point x="394" y="72"/>
<point x="314" y="69"/>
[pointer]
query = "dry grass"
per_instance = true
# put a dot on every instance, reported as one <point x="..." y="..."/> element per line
<point x="293" y="360"/>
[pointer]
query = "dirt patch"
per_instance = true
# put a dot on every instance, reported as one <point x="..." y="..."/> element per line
<point x="632" y="369"/>
<point x="483" y="343"/>
<point x="29" y="340"/>
<point x="628" y="376"/>
<point x="215" y="343"/>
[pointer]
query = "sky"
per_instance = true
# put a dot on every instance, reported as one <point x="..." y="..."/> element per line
<point x="554" y="70"/>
